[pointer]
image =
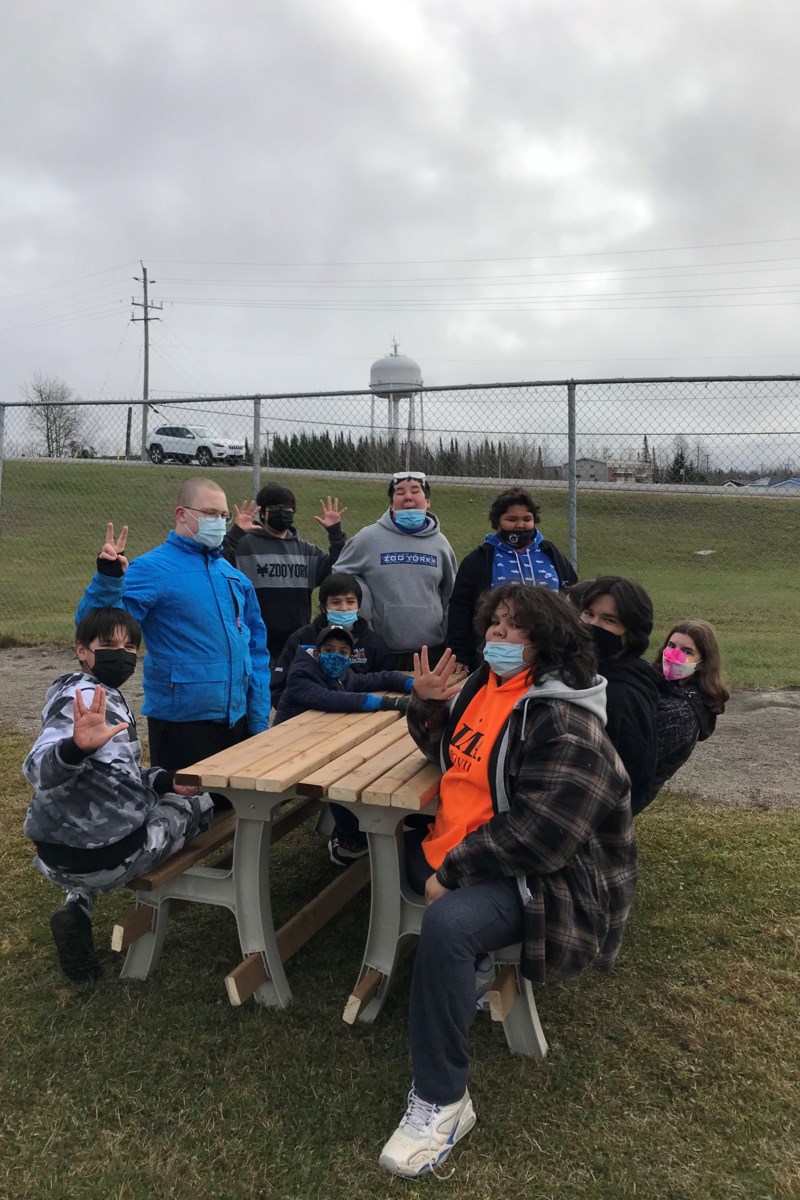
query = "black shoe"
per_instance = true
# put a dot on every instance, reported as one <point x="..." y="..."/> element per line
<point x="71" y="927"/>
<point x="346" y="849"/>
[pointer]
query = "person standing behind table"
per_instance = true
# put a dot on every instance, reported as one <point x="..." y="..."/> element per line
<point x="283" y="568"/>
<point x="514" y="552"/>
<point x="407" y="568"/>
<point x="206" y="671"/>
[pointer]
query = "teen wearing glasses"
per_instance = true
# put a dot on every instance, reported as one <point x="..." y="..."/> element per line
<point x="206" y="672"/>
<point x="406" y="568"/>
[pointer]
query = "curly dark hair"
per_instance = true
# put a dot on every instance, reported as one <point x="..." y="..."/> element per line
<point x="507" y="500"/>
<point x="562" y="643"/>
<point x="633" y="604"/>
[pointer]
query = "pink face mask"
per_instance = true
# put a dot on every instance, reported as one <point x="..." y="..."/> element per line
<point x="675" y="664"/>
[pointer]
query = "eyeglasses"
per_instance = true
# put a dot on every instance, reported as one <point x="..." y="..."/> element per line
<point x="205" y="512"/>
<point x="400" y="476"/>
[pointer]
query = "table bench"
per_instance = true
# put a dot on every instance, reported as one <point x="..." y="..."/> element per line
<point x="365" y="761"/>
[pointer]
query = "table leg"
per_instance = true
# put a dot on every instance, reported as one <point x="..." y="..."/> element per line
<point x="395" y="913"/>
<point x="251" y="881"/>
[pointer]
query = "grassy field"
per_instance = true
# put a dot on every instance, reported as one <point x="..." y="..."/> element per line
<point x="676" y="1077"/>
<point x="53" y="517"/>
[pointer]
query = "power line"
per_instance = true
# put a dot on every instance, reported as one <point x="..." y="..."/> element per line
<point x="64" y="283"/>
<point x="489" y="258"/>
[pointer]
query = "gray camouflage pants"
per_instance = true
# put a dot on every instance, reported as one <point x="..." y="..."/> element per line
<point x="171" y="824"/>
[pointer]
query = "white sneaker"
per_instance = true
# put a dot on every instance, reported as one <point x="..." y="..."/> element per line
<point x="426" y="1135"/>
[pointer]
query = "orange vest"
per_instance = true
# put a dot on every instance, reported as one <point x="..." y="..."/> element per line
<point x="465" y="800"/>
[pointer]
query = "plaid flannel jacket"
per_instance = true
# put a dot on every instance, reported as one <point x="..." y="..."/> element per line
<point x="568" y="834"/>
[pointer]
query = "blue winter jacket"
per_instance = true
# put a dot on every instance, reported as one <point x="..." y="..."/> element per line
<point x="206" y="643"/>
<point x="307" y="686"/>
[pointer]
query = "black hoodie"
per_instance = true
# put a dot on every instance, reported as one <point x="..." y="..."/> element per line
<point x="631" y="702"/>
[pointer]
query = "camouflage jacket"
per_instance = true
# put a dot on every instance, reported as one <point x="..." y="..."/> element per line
<point x="100" y="798"/>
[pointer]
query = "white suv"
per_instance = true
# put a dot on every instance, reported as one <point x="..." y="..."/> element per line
<point x="185" y="442"/>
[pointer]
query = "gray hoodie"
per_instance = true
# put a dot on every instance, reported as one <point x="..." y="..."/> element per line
<point x="407" y="579"/>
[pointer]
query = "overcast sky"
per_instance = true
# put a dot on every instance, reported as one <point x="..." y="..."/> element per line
<point x="515" y="190"/>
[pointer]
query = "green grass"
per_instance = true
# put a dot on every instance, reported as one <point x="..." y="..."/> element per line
<point x="53" y="520"/>
<point x="676" y="1077"/>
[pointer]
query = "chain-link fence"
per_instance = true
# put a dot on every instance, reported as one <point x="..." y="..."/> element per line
<point x="633" y="476"/>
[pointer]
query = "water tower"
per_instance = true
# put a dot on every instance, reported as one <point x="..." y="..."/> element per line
<point x="396" y="378"/>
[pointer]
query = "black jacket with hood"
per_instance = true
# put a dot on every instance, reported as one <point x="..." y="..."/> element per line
<point x="631" y="702"/>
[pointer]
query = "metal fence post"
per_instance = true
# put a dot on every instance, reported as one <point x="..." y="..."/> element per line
<point x="257" y="445"/>
<point x="572" y="476"/>
<point x="2" y="446"/>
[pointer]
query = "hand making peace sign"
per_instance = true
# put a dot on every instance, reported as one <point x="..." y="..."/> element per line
<point x="112" y="549"/>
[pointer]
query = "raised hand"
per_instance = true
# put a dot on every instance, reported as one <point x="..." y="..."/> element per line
<point x="112" y="548"/>
<point x="434" y="683"/>
<point x="331" y="513"/>
<point x="89" y="729"/>
<point x="244" y="517"/>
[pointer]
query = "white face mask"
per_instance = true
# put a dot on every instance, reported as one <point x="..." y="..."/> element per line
<point x="210" y="531"/>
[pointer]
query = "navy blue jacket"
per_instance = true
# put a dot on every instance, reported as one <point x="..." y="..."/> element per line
<point x="369" y="651"/>
<point x="309" y="687"/>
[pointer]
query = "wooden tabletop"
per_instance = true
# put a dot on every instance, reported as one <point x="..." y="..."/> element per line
<point x="366" y="757"/>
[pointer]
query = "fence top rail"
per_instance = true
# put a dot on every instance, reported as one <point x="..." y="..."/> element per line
<point x="627" y="380"/>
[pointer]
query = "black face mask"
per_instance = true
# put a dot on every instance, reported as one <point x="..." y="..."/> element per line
<point x="278" y="519"/>
<point x="113" y="667"/>
<point x="517" y="539"/>
<point x="607" y="644"/>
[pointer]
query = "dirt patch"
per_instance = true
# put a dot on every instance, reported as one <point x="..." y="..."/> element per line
<point x="752" y="760"/>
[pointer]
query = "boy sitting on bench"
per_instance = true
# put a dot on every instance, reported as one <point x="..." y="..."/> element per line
<point x="323" y="680"/>
<point x="97" y="818"/>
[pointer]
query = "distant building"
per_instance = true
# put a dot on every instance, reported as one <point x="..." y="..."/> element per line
<point x="594" y="470"/>
<point x="791" y="485"/>
<point x="613" y="470"/>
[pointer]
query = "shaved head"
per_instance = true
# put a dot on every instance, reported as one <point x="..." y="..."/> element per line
<point x="191" y="488"/>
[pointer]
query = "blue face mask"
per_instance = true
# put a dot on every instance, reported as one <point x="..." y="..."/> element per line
<point x="334" y="665"/>
<point x="210" y="531"/>
<point x="505" y="657"/>
<point x="410" y="519"/>
<point x="342" y="620"/>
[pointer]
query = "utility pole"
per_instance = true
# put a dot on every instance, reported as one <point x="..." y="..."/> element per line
<point x="145" y="319"/>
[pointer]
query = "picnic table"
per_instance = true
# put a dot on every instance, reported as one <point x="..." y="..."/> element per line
<point x="277" y="779"/>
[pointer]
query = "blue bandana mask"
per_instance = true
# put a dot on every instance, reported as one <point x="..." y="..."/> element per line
<point x="210" y="531"/>
<point x="341" y="620"/>
<point x="505" y="658"/>
<point x="411" y="520"/>
<point x="333" y="664"/>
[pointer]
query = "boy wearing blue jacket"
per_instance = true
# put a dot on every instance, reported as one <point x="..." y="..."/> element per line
<point x="323" y="680"/>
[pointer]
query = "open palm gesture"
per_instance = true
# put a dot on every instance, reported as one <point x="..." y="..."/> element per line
<point x="434" y="683"/>
<point x="331" y="513"/>
<point x="113" y="547"/>
<point x="89" y="729"/>
<point x="244" y="516"/>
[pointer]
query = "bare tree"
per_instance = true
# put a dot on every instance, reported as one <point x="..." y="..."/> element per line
<point x="52" y="413"/>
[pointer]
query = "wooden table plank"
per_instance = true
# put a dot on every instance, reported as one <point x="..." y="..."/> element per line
<point x="216" y="770"/>
<point x="350" y="787"/>
<point x="296" y="742"/>
<point x="380" y="792"/>
<point x="416" y="793"/>
<point x="317" y="783"/>
<point x="287" y="774"/>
